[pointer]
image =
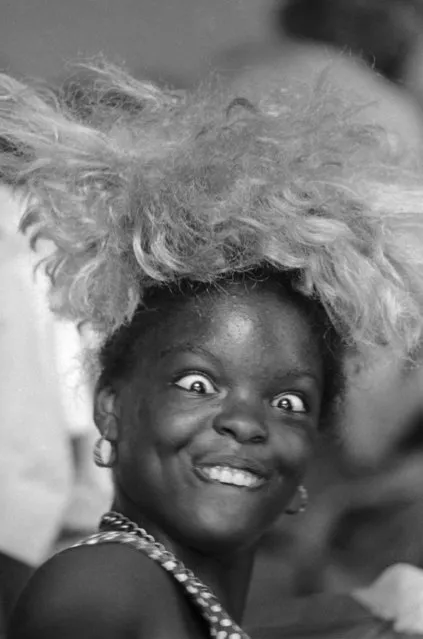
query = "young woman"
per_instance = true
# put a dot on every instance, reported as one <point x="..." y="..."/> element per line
<point x="228" y="256"/>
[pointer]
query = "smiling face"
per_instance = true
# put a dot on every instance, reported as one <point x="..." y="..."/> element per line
<point x="218" y="413"/>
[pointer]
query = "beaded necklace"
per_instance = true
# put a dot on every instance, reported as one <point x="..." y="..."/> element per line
<point x="114" y="527"/>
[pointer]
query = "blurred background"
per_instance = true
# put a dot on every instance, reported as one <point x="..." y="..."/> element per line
<point x="366" y="486"/>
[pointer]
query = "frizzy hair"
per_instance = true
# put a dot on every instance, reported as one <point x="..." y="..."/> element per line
<point x="153" y="188"/>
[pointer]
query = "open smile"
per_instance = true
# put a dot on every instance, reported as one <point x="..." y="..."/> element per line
<point x="222" y="474"/>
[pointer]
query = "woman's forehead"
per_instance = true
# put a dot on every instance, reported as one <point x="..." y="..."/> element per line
<point x="247" y="315"/>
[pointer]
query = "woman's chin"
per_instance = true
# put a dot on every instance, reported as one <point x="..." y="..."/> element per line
<point x="214" y="532"/>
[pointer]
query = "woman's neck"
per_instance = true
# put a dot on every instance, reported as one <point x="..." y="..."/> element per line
<point x="228" y="575"/>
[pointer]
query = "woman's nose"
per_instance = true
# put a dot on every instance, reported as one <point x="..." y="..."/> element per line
<point x="243" y="422"/>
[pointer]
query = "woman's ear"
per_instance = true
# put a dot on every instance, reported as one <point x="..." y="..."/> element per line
<point x="106" y="412"/>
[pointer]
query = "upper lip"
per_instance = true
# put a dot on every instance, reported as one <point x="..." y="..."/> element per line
<point x="237" y="462"/>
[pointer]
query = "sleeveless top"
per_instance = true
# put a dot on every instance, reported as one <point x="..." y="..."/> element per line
<point x="220" y="623"/>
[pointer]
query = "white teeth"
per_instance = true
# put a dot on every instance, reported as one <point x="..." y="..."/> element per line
<point x="226" y="475"/>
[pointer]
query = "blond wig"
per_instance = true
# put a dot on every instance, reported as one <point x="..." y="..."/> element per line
<point x="141" y="187"/>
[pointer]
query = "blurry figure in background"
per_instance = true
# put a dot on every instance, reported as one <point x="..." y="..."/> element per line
<point x="45" y="416"/>
<point x="384" y="33"/>
<point x="35" y="458"/>
<point x="361" y="526"/>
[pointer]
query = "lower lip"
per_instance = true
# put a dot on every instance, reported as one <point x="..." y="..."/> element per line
<point x="204" y="477"/>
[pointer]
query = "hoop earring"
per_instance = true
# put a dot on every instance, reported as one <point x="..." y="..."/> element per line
<point x="98" y="453"/>
<point x="303" y="495"/>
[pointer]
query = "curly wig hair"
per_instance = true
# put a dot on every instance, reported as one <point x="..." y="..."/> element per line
<point x="141" y="188"/>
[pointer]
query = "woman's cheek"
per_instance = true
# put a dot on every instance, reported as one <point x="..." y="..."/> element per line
<point x="293" y="448"/>
<point x="178" y="423"/>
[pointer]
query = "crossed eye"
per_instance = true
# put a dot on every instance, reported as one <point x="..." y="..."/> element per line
<point x="289" y="402"/>
<point x="196" y="383"/>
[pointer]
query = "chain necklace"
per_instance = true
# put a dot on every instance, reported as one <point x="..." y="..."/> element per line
<point x="115" y="527"/>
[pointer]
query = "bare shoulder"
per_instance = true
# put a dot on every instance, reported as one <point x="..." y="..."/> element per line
<point x="108" y="590"/>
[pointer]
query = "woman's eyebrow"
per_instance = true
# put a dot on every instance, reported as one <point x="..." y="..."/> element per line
<point x="298" y="371"/>
<point x="185" y="347"/>
<point x="301" y="373"/>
